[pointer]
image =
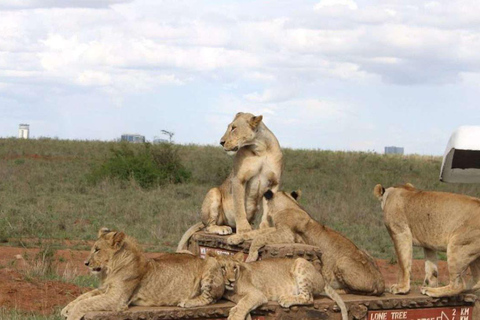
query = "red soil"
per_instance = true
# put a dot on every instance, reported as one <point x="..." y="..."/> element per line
<point x="41" y="296"/>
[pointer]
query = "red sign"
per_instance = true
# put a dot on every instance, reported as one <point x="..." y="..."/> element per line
<point x="451" y="313"/>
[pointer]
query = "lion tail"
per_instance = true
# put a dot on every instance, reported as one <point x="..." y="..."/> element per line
<point x="182" y="245"/>
<point x="332" y="294"/>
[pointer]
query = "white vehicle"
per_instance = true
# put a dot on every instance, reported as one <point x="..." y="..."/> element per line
<point x="461" y="161"/>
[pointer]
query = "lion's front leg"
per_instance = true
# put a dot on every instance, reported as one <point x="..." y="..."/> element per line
<point x="241" y="222"/>
<point x="431" y="268"/>
<point x="403" y="248"/>
<point x="211" y="287"/>
<point x="250" y="302"/>
<point x="65" y="311"/>
<point x="97" y="303"/>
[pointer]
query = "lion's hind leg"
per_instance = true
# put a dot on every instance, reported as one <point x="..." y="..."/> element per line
<point x="303" y="273"/>
<point x="211" y="208"/>
<point x="461" y="252"/>
<point x="359" y="275"/>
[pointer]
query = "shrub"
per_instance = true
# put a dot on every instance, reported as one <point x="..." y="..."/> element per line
<point x="148" y="165"/>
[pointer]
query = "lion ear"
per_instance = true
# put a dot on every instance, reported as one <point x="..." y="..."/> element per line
<point x="239" y="256"/>
<point x="378" y="191"/>
<point x="255" y="121"/>
<point x="296" y="194"/>
<point x="117" y="239"/>
<point x="103" y="231"/>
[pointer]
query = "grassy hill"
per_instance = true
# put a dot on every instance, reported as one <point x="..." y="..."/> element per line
<point x="45" y="191"/>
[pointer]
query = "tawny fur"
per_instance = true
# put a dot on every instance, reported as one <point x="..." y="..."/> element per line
<point x="295" y="282"/>
<point x="128" y="278"/>
<point x="345" y="266"/>
<point x="436" y="221"/>
<point x="257" y="167"/>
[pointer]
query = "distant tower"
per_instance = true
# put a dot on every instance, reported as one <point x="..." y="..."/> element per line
<point x="24" y="131"/>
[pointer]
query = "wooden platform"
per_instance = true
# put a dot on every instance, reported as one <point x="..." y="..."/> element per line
<point x="322" y="308"/>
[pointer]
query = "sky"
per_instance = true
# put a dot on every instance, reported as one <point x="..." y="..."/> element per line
<point x="355" y="75"/>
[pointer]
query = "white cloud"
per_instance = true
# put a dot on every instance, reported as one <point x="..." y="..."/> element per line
<point x="350" y="4"/>
<point x="34" y="4"/>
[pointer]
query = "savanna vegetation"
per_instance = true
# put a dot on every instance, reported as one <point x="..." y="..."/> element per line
<point x="69" y="189"/>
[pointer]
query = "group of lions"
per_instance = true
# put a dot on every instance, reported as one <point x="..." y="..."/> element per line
<point x="433" y="220"/>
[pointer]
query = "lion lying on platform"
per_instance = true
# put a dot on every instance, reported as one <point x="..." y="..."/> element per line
<point x="288" y="281"/>
<point x="257" y="167"/>
<point x="436" y="221"/>
<point x="128" y="278"/>
<point x="344" y="265"/>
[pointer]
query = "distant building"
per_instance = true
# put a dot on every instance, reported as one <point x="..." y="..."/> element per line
<point x="24" y="131"/>
<point x="393" y="150"/>
<point x="135" y="138"/>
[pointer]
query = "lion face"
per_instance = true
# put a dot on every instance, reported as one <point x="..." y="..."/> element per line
<point x="103" y="249"/>
<point x="230" y="266"/>
<point x="230" y="272"/>
<point x="240" y="132"/>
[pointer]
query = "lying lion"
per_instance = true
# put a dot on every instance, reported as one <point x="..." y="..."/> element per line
<point x="128" y="278"/>
<point x="288" y="281"/>
<point x="257" y="167"/>
<point x="344" y="265"/>
<point x="436" y="221"/>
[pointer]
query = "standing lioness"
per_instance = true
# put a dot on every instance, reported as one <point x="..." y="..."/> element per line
<point x="257" y="167"/>
<point x="436" y="221"/>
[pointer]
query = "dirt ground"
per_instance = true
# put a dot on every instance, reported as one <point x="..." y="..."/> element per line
<point x="22" y="292"/>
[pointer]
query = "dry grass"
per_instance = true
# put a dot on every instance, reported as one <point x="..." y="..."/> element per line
<point x="44" y="191"/>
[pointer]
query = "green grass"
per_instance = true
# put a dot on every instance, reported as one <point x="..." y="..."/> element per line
<point x="12" y="314"/>
<point x="45" y="191"/>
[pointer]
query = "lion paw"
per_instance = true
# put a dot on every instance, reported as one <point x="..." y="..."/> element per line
<point x="285" y="301"/>
<point x="252" y="256"/>
<point x="235" y="239"/>
<point x="184" y="304"/>
<point x="396" y="289"/>
<point x="221" y="230"/>
<point x="64" y="312"/>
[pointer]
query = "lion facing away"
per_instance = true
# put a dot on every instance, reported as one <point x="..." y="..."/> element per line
<point x="344" y="265"/>
<point x="286" y="281"/>
<point x="436" y="221"/>
<point x="128" y="278"/>
<point x="257" y="167"/>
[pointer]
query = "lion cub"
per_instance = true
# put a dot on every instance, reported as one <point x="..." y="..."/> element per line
<point x="128" y="278"/>
<point x="436" y="221"/>
<point x="287" y="281"/>
<point x="344" y="265"/>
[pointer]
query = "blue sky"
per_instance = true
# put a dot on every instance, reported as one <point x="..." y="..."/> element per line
<point x="326" y="74"/>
